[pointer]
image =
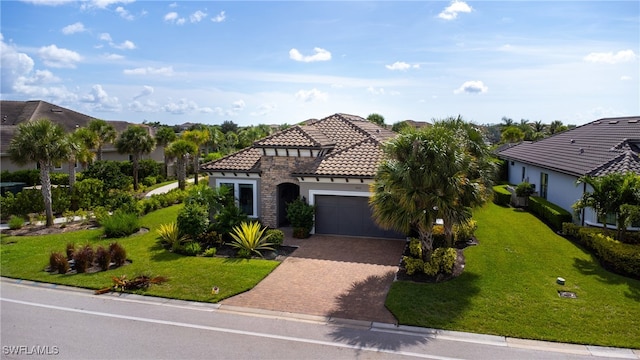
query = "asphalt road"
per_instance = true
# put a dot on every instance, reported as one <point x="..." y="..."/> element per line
<point x="42" y="321"/>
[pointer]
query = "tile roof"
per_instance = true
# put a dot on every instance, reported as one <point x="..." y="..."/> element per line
<point x="597" y="148"/>
<point x="354" y="144"/>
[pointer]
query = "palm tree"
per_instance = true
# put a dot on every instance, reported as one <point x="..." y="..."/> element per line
<point x="199" y="138"/>
<point x="164" y="136"/>
<point x="506" y="122"/>
<point x="105" y="133"/>
<point x="89" y="141"/>
<point x="78" y="152"/>
<point x="136" y="141"/>
<point x="180" y="149"/>
<point x="216" y="137"/>
<point x="40" y="141"/>
<point x="556" y="126"/>
<point x="603" y="197"/>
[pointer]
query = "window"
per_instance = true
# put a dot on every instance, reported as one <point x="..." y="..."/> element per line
<point x="524" y="172"/>
<point x="544" y="184"/>
<point x="245" y="194"/>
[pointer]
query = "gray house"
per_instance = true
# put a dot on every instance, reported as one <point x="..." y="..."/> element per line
<point x="331" y="162"/>
<point x="13" y="113"/>
<point x="555" y="163"/>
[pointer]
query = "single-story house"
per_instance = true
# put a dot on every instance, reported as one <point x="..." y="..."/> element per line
<point x="330" y="162"/>
<point x="13" y="113"/>
<point x="554" y="164"/>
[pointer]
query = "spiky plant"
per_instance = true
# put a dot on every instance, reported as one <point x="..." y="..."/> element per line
<point x="251" y="237"/>
<point x="169" y="235"/>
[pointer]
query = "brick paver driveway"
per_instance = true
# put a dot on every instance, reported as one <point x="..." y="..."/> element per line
<point x="333" y="276"/>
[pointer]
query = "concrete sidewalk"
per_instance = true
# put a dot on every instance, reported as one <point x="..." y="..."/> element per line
<point x="165" y="189"/>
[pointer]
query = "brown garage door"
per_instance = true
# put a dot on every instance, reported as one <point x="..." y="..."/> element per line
<point x="348" y="215"/>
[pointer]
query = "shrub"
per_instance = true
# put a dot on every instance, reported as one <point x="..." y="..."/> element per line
<point x="70" y="249"/>
<point x="89" y="193"/>
<point x="276" y="237"/>
<point x="439" y="239"/>
<point x="228" y="218"/>
<point x="193" y="220"/>
<point x="83" y="258"/>
<point x="60" y="199"/>
<point x="29" y="177"/>
<point x="250" y="237"/>
<point x="300" y="214"/>
<point x="28" y="201"/>
<point x="123" y="201"/>
<point x="118" y="253"/>
<point x="169" y="235"/>
<point x="551" y="213"/>
<point x="191" y="248"/>
<point x="103" y="258"/>
<point x="16" y="222"/>
<point x="413" y="264"/>
<point x="210" y="252"/>
<point x="59" y="178"/>
<point x="210" y="238"/>
<point x="109" y="173"/>
<point x="501" y="196"/>
<point x="465" y="231"/>
<point x="525" y="189"/>
<point x="7" y="205"/>
<point x="58" y="262"/>
<point x="149" y="181"/>
<point x="415" y="248"/>
<point x="148" y="205"/>
<point x="570" y="229"/>
<point x="100" y="213"/>
<point x="120" y="224"/>
<point x="442" y="261"/>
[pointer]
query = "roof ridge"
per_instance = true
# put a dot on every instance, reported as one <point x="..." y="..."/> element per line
<point x="625" y="156"/>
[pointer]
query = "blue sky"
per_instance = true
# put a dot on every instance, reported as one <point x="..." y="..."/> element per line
<point x="283" y="62"/>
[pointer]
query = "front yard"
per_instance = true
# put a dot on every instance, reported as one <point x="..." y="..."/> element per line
<point x="509" y="288"/>
<point x="190" y="278"/>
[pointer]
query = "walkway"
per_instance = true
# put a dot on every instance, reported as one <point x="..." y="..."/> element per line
<point x="332" y="276"/>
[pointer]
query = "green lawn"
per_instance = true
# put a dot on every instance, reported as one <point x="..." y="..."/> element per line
<point x="509" y="288"/>
<point x="190" y="278"/>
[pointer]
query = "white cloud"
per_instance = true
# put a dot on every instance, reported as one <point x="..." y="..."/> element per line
<point x="165" y="71"/>
<point x="238" y="105"/>
<point x="126" y="45"/>
<point x="102" y="4"/>
<point x="184" y="106"/>
<point x="197" y="16"/>
<point x="54" y="56"/>
<point x="73" y="28"/>
<point x="100" y="100"/>
<point x="146" y="106"/>
<point x="472" y="87"/>
<point x="146" y="91"/>
<point x="311" y="95"/>
<point x="124" y="13"/>
<point x="320" y="55"/>
<point x="625" y="78"/>
<point x="451" y="11"/>
<point x="264" y="109"/>
<point x="402" y="66"/>
<point x="374" y="91"/>
<point x="173" y="17"/>
<point x="48" y="2"/>
<point x="219" y="18"/>
<point x="611" y="58"/>
<point x="173" y="5"/>
<point x="113" y="56"/>
<point x="105" y="37"/>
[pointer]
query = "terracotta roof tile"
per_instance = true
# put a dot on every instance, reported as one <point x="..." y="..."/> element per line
<point x="296" y="136"/>
<point x="358" y="160"/>
<point x="246" y="160"/>
<point x="594" y="148"/>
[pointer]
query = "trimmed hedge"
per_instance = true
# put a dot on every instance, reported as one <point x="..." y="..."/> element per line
<point x="553" y="214"/>
<point x="614" y="255"/>
<point x="501" y="196"/>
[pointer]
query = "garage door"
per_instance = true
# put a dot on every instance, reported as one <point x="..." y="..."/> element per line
<point x="347" y="215"/>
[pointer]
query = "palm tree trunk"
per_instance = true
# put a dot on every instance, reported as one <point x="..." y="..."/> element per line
<point x="182" y="169"/>
<point x="426" y="240"/>
<point x="72" y="175"/>
<point x="45" y="180"/>
<point x="196" y="165"/>
<point x="99" y="153"/>
<point x="135" y="172"/>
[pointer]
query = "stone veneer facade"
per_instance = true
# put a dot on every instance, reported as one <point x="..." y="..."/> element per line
<point x="275" y="171"/>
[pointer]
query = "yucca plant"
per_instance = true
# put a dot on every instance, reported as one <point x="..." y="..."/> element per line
<point x="169" y="235"/>
<point x="250" y="237"/>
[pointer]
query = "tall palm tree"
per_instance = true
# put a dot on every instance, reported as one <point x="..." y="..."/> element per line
<point x="216" y="138"/>
<point x="89" y="141"/>
<point x="199" y="138"/>
<point x="164" y="136"/>
<point x="78" y="153"/>
<point x="180" y="149"/>
<point x="40" y="141"/>
<point x="105" y="133"/>
<point x="136" y="141"/>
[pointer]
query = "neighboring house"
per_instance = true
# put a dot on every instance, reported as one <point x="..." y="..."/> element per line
<point x="331" y="162"/>
<point x="12" y="113"/>
<point x="555" y="163"/>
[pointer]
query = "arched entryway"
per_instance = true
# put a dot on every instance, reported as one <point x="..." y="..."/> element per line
<point x="287" y="192"/>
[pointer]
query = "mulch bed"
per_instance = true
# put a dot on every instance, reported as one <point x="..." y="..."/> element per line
<point x="458" y="267"/>
<point x="280" y="253"/>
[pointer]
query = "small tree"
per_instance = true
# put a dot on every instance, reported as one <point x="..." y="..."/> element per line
<point x="136" y="141"/>
<point x="164" y="136"/>
<point x="376" y="119"/>
<point x="180" y="149"/>
<point x="103" y="133"/>
<point x="300" y="214"/>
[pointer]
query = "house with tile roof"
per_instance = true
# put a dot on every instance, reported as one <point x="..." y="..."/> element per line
<point x="331" y="162"/>
<point x="13" y="113"/>
<point x="555" y="163"/>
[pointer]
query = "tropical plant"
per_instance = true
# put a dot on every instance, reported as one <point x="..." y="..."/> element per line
<point x="376" y="119"/>
<point x="58" y="262"/>
<point x="89" y="141"/>
<point x="511" y="134"/>
<point x="15" y="222"/>
<point x="136" y="141"/>
<point x="250" y="237"/>
<point x="103" y="258"/>
<point x="118" y="253"/>
<point x="193" y="220"/>
<point x="437" y="172"/>
<point x="120" y="224"/>
<point x="169" y="235"/>
<point x="180" y="149"/>
<point x="199" y="138"/>
<point x="83" y="258"/>
<point x="276" y="236"/>
<point x="300" y="215"/>
<point x="103" y="133"/>
<point x="525" y="189"/>
<point x="164" y="136"/>
<point x="40" y="141"/>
